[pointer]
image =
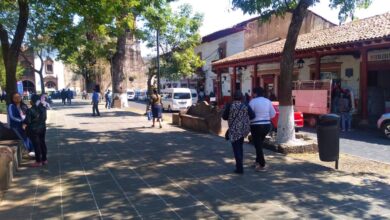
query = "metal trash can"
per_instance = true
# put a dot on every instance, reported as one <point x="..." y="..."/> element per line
<point x="328" y="137"/>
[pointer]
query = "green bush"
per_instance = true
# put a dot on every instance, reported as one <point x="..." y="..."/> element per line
<point x="3" y="108"/>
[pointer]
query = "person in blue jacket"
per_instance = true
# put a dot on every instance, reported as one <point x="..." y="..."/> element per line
<point x="95" y="102"/>
<point x="17" y="113"/>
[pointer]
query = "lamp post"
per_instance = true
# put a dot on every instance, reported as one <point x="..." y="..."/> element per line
<point x="158" y="61"/>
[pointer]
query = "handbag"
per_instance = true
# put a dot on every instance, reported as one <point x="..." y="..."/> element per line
<point x="234" y="119"/>
<point x="149" y="115"/>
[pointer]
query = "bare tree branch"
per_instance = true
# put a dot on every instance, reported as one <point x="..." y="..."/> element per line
<point x="22" y="25"/>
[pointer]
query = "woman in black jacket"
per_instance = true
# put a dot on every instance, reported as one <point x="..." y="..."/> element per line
<point x="36" y="130"/>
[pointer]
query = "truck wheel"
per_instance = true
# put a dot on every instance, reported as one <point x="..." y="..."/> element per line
<point x="386" y="129"/>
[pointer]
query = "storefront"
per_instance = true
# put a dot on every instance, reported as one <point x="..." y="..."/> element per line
<point x="358" y="63"/>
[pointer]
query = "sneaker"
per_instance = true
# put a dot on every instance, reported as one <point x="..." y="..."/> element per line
<point x="36" y="164"/>
<point x="260" y="168"/>
<point x="31" y="154"/>
<point x="45" y="162"/>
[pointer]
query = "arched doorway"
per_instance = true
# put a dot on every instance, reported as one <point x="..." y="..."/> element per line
<point x="28" y="86"/>
<point x="50" y="85"/>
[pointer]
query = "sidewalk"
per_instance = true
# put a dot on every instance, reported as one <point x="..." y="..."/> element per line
<point x="115" y="167"/>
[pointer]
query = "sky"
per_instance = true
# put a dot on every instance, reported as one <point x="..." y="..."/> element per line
<point x="219" y="15"/>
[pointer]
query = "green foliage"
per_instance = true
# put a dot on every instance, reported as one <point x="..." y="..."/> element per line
<point x="266" y="8"/>
<point x="19" y="72"/>
<point x="179" y="35"/>
<point x="3" y="108"/>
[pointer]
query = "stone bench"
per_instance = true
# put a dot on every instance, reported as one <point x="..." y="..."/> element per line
<point x="202" y="118"/>
<point x="10" y="158"/>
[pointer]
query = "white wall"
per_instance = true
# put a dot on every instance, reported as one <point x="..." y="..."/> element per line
<point x="209" y="50"/>
<point x="58" y="69"/>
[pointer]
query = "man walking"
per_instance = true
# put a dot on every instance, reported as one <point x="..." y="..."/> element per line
<point x="95" y="102"/>
<point x="108" y="97"/>
<point x="69" y="96"/>
<point x="63" y="96"/>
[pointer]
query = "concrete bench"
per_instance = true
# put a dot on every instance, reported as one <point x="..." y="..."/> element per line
<point x="10" y="158"/>
<point x="202" y="118"/>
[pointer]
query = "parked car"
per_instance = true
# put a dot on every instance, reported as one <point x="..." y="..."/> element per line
<point x="175" y="99"/>
<point x="194" y="95"/>
<point x="384" y="124"/>
<point x="130" y="94"/>
<point x="298" y="118"/>
<point x="141" y="95"/>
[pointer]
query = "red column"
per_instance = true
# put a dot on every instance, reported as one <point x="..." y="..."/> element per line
<point x="218" y="91"/>
<point x="254" y="77"/>
<point x="318" y="68"/>
<point x="234" y="79"/>
<point x="363" y="85"/>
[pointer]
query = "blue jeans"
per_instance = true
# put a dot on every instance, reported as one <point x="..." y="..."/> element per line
<point x="238" y="154"/>
<point x="108" y="103"/>
<point x="23" y="137"/>
<point x="346" y="120"/>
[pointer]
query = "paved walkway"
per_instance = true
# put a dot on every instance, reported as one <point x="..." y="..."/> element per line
<point x="112" y="167"/>
<point x="368" y="144"/>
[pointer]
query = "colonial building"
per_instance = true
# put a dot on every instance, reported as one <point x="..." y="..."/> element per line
<point x="357" y="54"/>
<point x="244" y="36"/>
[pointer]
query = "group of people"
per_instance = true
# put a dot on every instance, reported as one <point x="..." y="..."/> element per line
<point x="66" y="96"/>
<point x="342" y="105"/>
<point x="29" y="124"/>
<point x="244" y="118"/>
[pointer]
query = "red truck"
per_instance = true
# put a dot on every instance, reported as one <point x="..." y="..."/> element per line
<point x="298" y="118"/>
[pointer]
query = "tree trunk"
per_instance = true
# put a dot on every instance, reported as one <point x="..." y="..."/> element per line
<point x="286" y="126"/>
<point x="40" y="73"/>
<point x="119" y="75"/>
<point x="42" y="82"/>
<point x="11" y="52"/>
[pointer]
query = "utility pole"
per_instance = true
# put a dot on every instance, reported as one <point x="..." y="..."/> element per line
<point x="158" y="61"/>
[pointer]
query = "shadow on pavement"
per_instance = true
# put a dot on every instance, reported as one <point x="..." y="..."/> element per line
<point x="144" y="173"/>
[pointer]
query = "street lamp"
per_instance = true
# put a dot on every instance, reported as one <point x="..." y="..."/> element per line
<point x="300" y="63"/>
<point x="158" y="60"/>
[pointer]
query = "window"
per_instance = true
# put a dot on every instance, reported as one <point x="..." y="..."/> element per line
<point x="181" y="95"/>
<point x="222" y="50"/>
<point x="50" y="85"/>
<point x="49" y="68"/>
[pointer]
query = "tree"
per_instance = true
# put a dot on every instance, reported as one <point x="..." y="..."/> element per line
<point x="91" y="39"/>
<point x="179" y="35"/>
<point x="12" y="13"/>
<point x="37" y="37"/>
<point x="298" y="8"/>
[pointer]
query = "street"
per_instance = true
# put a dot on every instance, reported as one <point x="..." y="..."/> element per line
<point x="116" y="167"/>
<point x="369" y="144"/>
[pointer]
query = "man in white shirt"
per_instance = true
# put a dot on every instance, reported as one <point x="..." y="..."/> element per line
<point x="261" y="124"/>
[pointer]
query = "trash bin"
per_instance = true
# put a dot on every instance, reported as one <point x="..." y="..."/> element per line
<point x="328" y="137"/>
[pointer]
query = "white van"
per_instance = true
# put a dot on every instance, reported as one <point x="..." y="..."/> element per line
<point x="175" y="99"/>
<point x="194" y="95"/>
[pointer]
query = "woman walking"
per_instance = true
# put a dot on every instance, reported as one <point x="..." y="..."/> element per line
<point x="156" y="107"/>
<point x="17" y="114"/>
<point x="261" y="124"/>
<point x="36" y="130"/>
<point x="238" y="116"/>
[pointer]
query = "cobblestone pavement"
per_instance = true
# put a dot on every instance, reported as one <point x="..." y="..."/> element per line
<point x="113" y="167"/>
<point x="368" y="144"/>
